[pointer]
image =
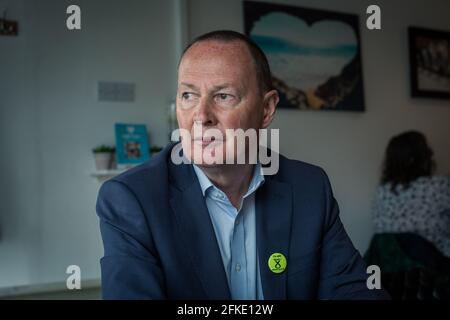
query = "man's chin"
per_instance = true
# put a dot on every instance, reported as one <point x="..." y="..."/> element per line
<point x="209" y="166"/>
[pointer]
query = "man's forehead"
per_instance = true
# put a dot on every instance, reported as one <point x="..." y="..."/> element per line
<point x="217" y="62"/>
<point x="209" y="49"/>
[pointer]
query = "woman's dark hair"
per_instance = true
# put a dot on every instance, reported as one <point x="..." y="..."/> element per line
<point x="407" y="158"/>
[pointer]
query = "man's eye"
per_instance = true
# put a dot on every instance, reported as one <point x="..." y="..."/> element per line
<point x="225" y="99"/>
<point x="224" y="96"/>
<point x="186" y="95"/>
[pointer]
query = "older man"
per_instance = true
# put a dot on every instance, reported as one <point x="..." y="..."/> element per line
<point x="223" y="230"/>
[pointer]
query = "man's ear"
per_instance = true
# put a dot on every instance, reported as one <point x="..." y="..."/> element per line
<point x="270" y="103"/>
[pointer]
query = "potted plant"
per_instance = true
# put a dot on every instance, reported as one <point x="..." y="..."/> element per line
<point x="155" y="149"/>
<point x="104" y="156"/>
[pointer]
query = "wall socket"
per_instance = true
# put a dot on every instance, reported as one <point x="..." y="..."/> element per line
<point x="116" y="91"/>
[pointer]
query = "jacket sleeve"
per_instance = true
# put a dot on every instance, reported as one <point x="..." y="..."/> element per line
<point x="343" y="271"/>
<point x="130" y="266"/>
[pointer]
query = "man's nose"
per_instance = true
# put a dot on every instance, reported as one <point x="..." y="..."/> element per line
<point x="204" y="113"/>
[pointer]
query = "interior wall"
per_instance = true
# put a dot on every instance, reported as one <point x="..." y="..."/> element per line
<point x="19" y="205"/>
<point x="51" y="120"/>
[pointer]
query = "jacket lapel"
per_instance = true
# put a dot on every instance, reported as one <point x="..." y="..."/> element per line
<point x="197" y="233"/>
<point x="273" y="229"/>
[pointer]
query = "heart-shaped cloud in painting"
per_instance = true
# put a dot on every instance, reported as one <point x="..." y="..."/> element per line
<point x="303" y="55"/>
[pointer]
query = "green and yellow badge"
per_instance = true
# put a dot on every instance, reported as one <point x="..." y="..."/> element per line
<point x="277" y="262"/>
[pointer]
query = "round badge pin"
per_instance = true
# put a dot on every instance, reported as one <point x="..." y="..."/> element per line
<point x="277" y="262"/>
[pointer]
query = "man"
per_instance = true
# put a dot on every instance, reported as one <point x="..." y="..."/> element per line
<point x="209" y="230"/>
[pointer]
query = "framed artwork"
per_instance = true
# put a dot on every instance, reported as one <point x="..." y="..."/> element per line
<point x="429" y="56"/>
<point x="314" y="55"/>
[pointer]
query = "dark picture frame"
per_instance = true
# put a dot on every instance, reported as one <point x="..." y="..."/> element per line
<point x="429" y="57"/>
<point x="315" y="55"/>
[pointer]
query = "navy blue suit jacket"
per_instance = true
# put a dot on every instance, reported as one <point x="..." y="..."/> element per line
<point x="159" y="241"/>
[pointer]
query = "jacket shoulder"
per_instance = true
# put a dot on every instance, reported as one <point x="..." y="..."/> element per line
<point x="295" y="170"/>
<point x="151" y="173"/>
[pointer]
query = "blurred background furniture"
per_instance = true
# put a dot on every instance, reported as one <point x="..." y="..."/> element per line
<point x="411" y="267"/>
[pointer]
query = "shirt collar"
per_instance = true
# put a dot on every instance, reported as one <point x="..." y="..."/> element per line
<point x="255" y="183"/>
<point x="204" y="181"/>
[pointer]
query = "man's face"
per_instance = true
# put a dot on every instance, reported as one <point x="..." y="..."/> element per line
<point x="218" y="88"/>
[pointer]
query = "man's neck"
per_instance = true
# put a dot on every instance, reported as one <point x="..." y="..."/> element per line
<point x="233" y="180"/>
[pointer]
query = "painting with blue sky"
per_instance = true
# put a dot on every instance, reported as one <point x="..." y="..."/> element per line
<point x="314" y="55"/>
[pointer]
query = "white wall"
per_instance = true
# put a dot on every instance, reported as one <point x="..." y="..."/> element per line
<point x="50" y="119"/>
<point x="350" y="146"/>
<point x="19" y="200"/>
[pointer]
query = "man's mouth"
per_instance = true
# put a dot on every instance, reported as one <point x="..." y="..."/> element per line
<point x="205" y="141"/>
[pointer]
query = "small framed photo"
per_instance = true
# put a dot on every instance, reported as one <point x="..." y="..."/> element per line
<point x="132" y="147"/>
<point x="429" y="55"/>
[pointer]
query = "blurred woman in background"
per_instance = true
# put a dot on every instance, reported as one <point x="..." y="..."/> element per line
<point x="410" y="198"/>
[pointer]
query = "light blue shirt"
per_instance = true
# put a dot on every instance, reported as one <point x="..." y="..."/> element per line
<point x="236" y="235"/>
